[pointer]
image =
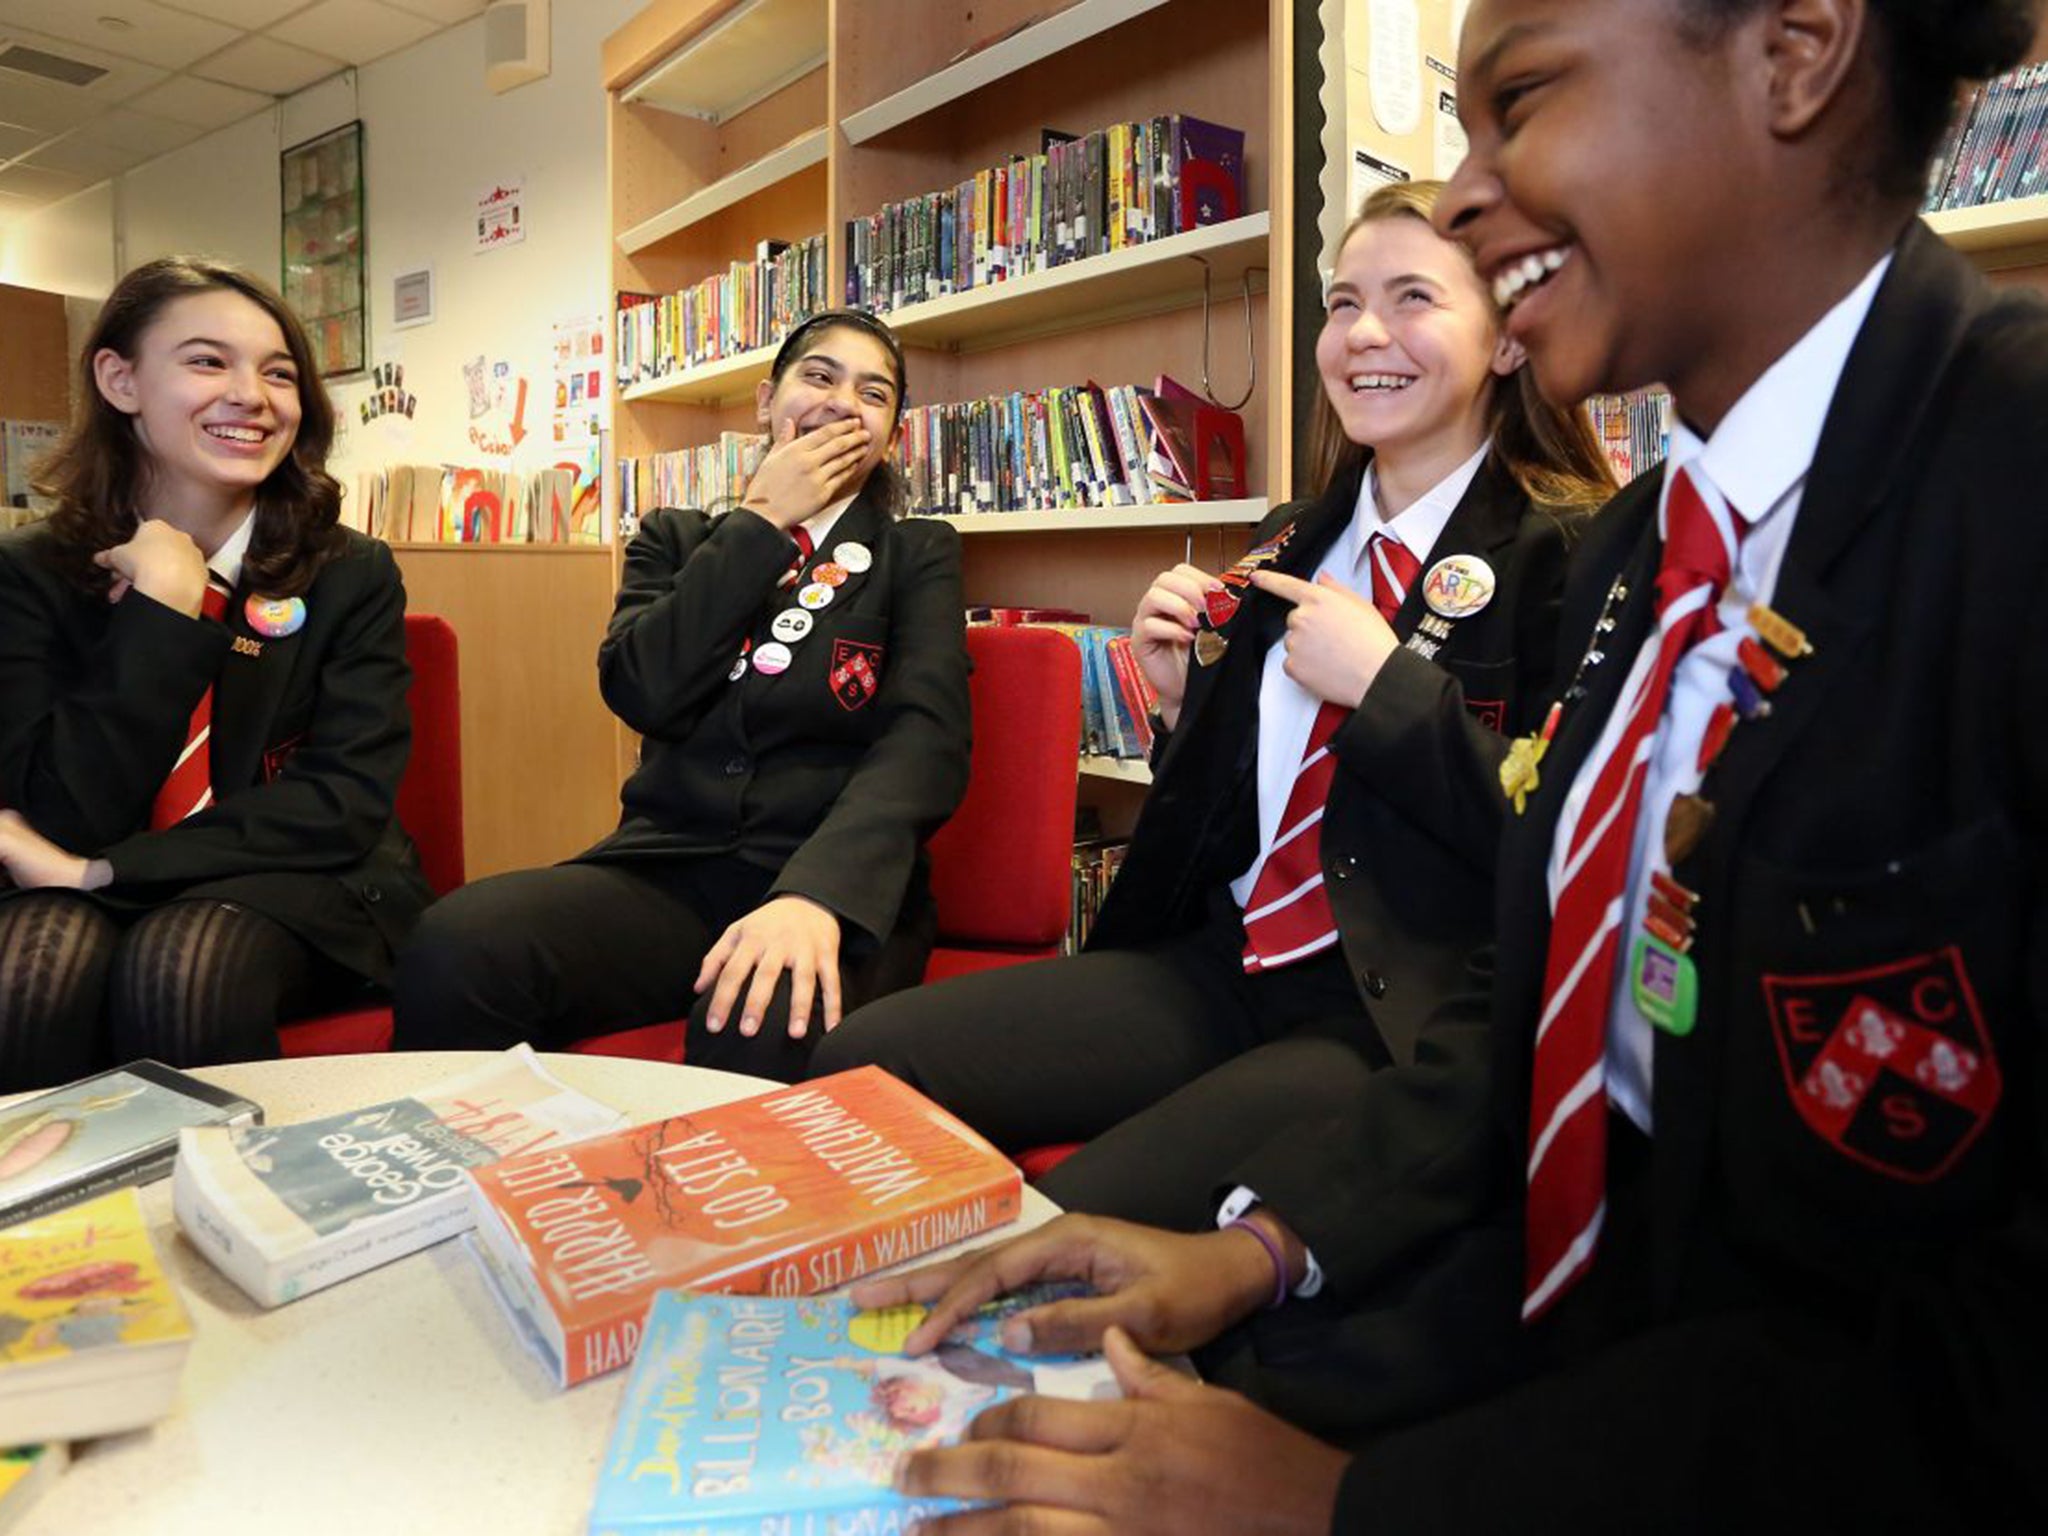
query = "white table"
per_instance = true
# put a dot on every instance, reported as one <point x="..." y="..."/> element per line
<point x="397" y="1402"/>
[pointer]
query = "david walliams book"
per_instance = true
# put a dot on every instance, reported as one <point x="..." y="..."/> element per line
<point x="746" y="1415"/>
<point x="285" y="1210"/>
<point x="794" y="1191"/>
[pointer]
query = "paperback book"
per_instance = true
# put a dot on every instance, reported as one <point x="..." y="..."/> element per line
<point x="286" y="1210"/>
<point x="119" y="1127"/>
<point x="26" y="1472"/>
<point x="746" y="1415"/>
<point x="795" y="1191"/>
<point x="93" y="1335"/>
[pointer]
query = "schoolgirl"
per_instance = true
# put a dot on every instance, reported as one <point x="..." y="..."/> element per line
<point x="202" y="701"/>
<point x="798" y="673"/>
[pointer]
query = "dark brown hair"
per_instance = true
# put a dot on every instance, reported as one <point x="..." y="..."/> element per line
<point x="96" y="475"/>
<point x="1553" y="453"/>
<point x="884" y="486"/>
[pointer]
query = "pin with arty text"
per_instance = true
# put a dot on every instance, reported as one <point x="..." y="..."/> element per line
<point x="275" y="617"/>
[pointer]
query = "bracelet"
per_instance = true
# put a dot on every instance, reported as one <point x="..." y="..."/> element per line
<point x="1272" y="1252"/>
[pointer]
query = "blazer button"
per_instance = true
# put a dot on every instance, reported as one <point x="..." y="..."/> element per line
<point x="372" y="894"/>
<point x="1374" y="983"/>
<point x="1346" y="867"/>
<point x="736" y="767"/>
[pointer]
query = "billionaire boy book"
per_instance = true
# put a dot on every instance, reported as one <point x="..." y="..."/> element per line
<point x="745" y="1415"/>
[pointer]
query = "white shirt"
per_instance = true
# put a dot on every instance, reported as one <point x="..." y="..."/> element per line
<point x="819" y="524"/>
<point x="1287" y="711"/>
<point x="226" y="562"/>
<point x="1756" y="464"/>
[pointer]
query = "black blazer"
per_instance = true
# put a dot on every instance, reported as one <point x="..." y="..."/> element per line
<point x="814" y="771"/>
<point x="1413" y="822"/>
<point x="310" y="737"/>
<point x="1879" y="839"/>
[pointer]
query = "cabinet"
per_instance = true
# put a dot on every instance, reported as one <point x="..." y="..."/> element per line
<point x="737" y="121"/>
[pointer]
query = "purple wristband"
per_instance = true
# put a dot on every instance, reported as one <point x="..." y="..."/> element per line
<point x="1272" y="1252"/>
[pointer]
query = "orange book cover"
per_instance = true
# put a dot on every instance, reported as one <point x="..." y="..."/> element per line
<point x="795" y="1191"/>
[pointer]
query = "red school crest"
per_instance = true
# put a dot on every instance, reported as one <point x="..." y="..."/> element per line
<point x="856" y="672"/>
<point x="1491" y="713"/>
<point x="1890" y="1066"/>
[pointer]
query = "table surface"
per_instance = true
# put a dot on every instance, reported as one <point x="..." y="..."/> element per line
<point x="399" y="1400"/>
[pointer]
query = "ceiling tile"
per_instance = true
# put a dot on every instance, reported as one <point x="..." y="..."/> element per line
<point x="447" y="12"/>
<point x="262" y="64"/>
<point x="43" y="104"/>
<point x="155" y="33"/>
<point x="19" y="141"/>
<point x="76" y="156"/>
<point x="123" y="77"/>
<point x="200" y="102"/>
<point x="41" y="184"/>
<point x="251" y="15"/>
<point x="354" y="30"/>
<point x="141" y="133"/>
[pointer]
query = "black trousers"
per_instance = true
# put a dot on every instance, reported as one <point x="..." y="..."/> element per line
<point x="553" y="956"/>
<point x="1169" y="1062"/>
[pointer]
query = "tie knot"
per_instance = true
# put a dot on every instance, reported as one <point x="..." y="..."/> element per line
<point x="1699" y="543"/>
<point x="1394" y="570"/>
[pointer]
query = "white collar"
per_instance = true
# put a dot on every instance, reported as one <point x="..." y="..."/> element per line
<point x="819" y="524"/>
<point x="1765" y="444"/>
<point x="226" y="562"/>
<point x="1421" y="523"/>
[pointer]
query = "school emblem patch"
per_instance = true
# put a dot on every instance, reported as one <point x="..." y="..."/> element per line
<point x="856" y="672"/>
<point x="1890" y="1066"/>
<point x="1491" y="713"/>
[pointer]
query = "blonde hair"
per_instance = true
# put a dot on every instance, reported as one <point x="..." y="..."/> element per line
<point x="1553" y="453"/>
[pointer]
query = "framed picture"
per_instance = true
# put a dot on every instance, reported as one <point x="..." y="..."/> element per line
<point x="323" y="245"/>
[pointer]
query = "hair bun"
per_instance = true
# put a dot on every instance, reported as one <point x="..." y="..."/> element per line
<point x="1966" y="39"/>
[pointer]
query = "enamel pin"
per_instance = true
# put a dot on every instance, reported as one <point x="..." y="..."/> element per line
<point x="1458" y="586"/>
<point x="275" y="617"/>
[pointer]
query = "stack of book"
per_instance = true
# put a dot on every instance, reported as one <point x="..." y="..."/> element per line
<point x="1997" y="144"/>
<point x="1096" y="862"/>
<point x="448" y="504"/>
<point x="750" y="304"/>
<point x="714" y="475"/>
<point x="1118" y="186"/>
<point x="1634" y="429"/>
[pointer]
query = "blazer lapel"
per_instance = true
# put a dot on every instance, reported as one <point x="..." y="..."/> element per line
<point x="1485" y="519"/>
<point x="246" y="696"/>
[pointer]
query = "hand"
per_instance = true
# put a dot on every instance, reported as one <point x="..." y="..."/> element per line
<point x="1170" y="1456"/>
<point x="159" y="561"/>
<point x="1336" y="640"/>
<point x="801" y="476"/>
<point x="789" y="933"/>
<point x="1164" y="628"/>
<point x="1170" y="1291"/>
<point x="32" y="861"/>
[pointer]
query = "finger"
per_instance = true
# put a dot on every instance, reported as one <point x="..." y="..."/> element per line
<point x="1013" y="1520"/>
<point x="1337" y="588"/>
<point x="802" y="988"/>
<point x="1290" y="589"/>
<point x="1078" y="1325"/>
<point x="999" y="1469"/>
<point x="118" y="589"/>
<point x="1059" y="1250"/>
<point x="911" y="1288"/>
<point x="828" y="983"/>
<point x="738" y="967"/>
<point x="1142" y="1376"/>
<point x="1082" y="1426"/>
<point x="1164" y="631"/>
<point x="786" y="433"/>
<point x="104" y="559"/>
<point x="768" y="970"/>
<point x="715" y="958"/>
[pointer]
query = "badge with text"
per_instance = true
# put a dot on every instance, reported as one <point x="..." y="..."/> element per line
<point x="772" y="659"/>
<point x="275" y="617"/>
<point x="852" y="557"/>
<point x="856" y="672"/>
<point x="1665" y="985"/>
<point x="1890" y="1066"/>
<point x="830" y="572"/>
<point x="791" y="625"/>
<point x="1458" y="586"/>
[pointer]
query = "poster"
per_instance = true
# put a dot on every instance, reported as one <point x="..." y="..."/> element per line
<point x="1394" y="66"/>
<point x="577" y="415"/>
<point x="1447" y="143"/>
<point x="1369" y="172"/>
<point x="500" y="215"/>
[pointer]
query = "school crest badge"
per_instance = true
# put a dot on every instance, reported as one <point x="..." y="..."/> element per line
<point x="1890" y="1066"/>
<point x="856" y="672"/>
<point x="1491" y="713"/>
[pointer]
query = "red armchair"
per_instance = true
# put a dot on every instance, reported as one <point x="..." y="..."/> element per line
<point x="429" y="805"/>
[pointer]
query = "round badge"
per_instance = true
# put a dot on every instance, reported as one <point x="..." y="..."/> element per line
<point x="792" y="624"/>
<point x="275" y="617"/>
<point x="739" y="670"/>
<point x="815" y="596"/>
<point x="854" y="557"/>
<point x="831" y="573"/>
<point x="1458" y="586"/>
<point x="771" y="659"/>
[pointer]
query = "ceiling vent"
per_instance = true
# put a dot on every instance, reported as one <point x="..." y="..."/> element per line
<point x="48" y="66"/>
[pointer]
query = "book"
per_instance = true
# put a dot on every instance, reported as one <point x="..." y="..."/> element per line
<point x="114" y="1128"/>
<point x="286" y="1210"/>
<point x="746" y="1415"/>
<point x="794" y="1191"/>
<point x="93" y="1335"/>
<point x="26" y="1471"/>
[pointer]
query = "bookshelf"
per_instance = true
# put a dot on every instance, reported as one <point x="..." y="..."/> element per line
<point x="1998" y="237"/>
<point x="721" y="136"/>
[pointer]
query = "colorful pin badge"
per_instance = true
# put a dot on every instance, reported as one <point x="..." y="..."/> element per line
<point x="1458" y="586"/>
<point x="791" y="625"/>
<point x="1719" y="725"/>
<point x="831" y="573"/>
<point x="815" y="596"/>
<point x="275" y="617"/>
<point x="1221" y="607"/>
<point x="1760" y="664"/>
<point x="1209" y="648"/>
<point x="1665" y="986"/>
<point x="853" y="557"/>
<point x="1779" y="632"/>
<point x="771" y="659"/>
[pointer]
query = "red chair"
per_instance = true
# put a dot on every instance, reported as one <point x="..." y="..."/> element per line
<point x="1001" y="867"/>
<point x="429" y="806"/>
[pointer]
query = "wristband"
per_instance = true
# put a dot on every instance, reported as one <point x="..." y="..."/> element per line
<point x="1272" y="1252"/>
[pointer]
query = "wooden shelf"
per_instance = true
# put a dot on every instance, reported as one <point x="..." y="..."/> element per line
<point x="752" y="52"/>
<point x="1042" y="40"/>
<point x="1996" y="236"/>
<point x="1124" y="770"/>
<point x="497" y="546"/>
<point x="720" y="383"/>
<point x="1178" y="514"/>
<point x="1139" y="280"/>
<point x="779" y="165"/>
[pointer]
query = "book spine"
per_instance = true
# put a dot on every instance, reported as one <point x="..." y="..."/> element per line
<point x="144" y="1166"/>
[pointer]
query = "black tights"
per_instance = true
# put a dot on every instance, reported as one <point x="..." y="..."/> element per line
<point x="189" y="983"/>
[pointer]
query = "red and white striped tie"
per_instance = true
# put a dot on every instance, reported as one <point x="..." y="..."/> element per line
<point x="1288" y="916"/>
<point x="1568" y="1109"/>
<point x="188" y="787"/>
<point x="804" y="550"/>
